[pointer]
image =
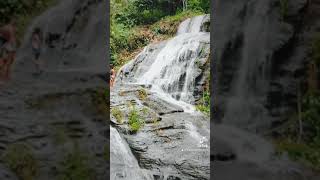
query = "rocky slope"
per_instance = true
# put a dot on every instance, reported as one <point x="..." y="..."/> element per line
<point x="261" y="55"/>
<point x="61" y="108"/>
<point x="162" y="83"/>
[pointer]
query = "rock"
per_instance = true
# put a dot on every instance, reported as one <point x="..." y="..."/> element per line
<point x="52" y="111"/>
<point x="5" y="173"/>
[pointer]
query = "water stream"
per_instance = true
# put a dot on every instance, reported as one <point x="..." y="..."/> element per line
<point x="171" y="75"/>
<point x="123" y="164"/>
<point x="173" y="72"/>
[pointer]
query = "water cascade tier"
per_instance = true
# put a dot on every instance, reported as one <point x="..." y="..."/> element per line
<point x="162" y="84"/>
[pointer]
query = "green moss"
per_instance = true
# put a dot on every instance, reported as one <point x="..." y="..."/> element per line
<point x="117" y="113"/>
<point x="20" y="159"/>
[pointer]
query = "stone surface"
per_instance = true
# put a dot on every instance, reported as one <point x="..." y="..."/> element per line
<point x="52" y="111"/>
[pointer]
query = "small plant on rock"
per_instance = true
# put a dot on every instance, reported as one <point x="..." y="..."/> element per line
<point x="142" y="94"/>
<point x="135" y="121"/>
<point x="117" y="113"/>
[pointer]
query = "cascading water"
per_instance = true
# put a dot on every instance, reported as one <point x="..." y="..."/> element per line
<point x="173" y="73"/>
<point x="171" y="70"/>
<point x="123" y="163"/>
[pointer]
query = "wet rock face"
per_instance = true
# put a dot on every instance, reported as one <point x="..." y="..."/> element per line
<point x="71" y="30"/>
<point x="66" y="105"/>
<point x="258" y="58"/>
<point x="167" y="145"/>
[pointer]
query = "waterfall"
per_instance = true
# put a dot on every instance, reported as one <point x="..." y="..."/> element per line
<point x="170" y="69"/>
<point x="123" y="165"/>
<point x="173" y="72"/>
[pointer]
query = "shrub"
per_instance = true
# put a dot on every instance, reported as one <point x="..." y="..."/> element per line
<point x="135" y="121"/>
<point x="169" y="25"/>
<point x="20" y="159"/>
<point x="200" y="5"/>
<point x="307" y="151"/>
<point x="204" y="105"/>
<point x="301" y="152"/>
<point x="117" y="113"/>
<point x="142" y="94"/>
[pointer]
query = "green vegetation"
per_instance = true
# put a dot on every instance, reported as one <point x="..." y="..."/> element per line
<point x="136" y="23"/>
<point x="20" y="159"/>
<point x="145" y="111"/>
<point x="308" y="149"/>
<point x="142" y="94"/>
<point x="168" y="26"/>
<point x="135" y="121"/>
<point x="75" y="166"/>
<point x="204" y="105"/>
<point x="301" y="139"/>
<point x="117" y="113"/>
<point x="300" y="152"/>
<point x="23" y="11"/>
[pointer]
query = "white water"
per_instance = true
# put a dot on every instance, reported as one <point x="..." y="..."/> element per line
<point x="124" y="166"/>
<point x="171" y="72"/>
<point x="172" y="75"/>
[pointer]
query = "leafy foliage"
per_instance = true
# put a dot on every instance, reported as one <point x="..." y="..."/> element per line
<point x="135" y="121"/>
<point x="310" y="116"/>
<point x="307" y="151"/>
<point x="169" y="24"/>
<point x="204" y="105"/>
<point x="136" y="23"/>
<point x="200" y="5"/>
